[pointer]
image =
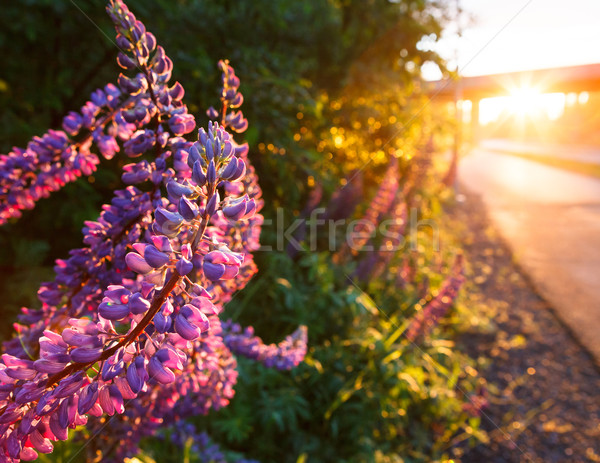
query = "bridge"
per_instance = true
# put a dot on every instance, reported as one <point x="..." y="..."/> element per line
<point x="583" y="78"/>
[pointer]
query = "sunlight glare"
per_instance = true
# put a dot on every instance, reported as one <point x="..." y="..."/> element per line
<point x="524" y="101"/>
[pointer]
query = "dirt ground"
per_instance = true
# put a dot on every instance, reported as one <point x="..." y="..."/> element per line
<point x="543" y="388"/>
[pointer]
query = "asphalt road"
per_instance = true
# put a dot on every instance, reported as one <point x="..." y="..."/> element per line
<point x="551" y="220"/>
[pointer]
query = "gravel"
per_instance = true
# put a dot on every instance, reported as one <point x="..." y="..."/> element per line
<point x="543" y="387"/>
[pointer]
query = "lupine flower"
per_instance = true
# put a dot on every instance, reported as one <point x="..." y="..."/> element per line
<point x="429" y="316"/>
<point x="380" y="205"/>
<point x="219" y="265"/>
<point x="127" y="306"/>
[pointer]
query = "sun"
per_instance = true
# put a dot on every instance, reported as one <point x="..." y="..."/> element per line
<point x="524" y="101"/>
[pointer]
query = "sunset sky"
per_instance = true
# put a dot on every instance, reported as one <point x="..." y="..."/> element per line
<point x="546" y="33"/>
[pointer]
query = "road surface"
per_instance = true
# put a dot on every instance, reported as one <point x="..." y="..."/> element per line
<point x="588" y="154"/>
<point x="551" y="220"/>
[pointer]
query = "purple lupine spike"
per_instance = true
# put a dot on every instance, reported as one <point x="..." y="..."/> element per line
<point x="100" y="269"/>
<point x="430" y="315"/>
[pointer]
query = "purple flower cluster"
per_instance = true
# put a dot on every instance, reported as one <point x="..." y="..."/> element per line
<point x="129" y="327"/>
<point x="283" y="356"/>
<point x="61" y="156"/>
<point x="380" y="205"/>
<point x="428" y="317"/>
<point x="377" y="260"/>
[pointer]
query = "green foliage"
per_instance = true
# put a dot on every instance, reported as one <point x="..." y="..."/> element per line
<point x="330" y="86"/>
<point x="364" y="393"/>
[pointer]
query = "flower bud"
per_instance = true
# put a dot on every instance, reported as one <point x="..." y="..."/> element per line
<point x="111" y="311"/>
<point x="230" y="169"/>
<point x="138" y="305"/>
<point x="188" y="209"/>
<point x="137" y="375"/>
<point x="47" y="366"/>
<point x="176" y="91"/>
<point x="41" y="444"/>
<point x="198" y="175"/>
<point x="87" y="398"/>
<point x="181" y="124"/>
<point x="123" y="43"/>
<point x="159" y="372"/>
<point x="177" y="190"/>
<point x="212" y="113"/>
<point x="162" y="243"/>
<point x="86" y="354"/>
<point x="137" y="263"/>
<point x="58" y="431"/>
<point x="106" y="402"/>
<point x="72" y="123"/>
<point x="213" y="204"/>
<point x="219" y="265"/>
<point x="154" y="257"/>
<point x="237" y="101"/>
<point x="78" y="339"/>
<point x="193" y="155"/>
<point x="241" y="208"/>
<point x="150" y="41"/>
<point x="190" y="322"/>
<point x="162" y="322"/>
<point x="184" y="266"/>
<point x="139" y="143"/>
<point x="112" y="367"/>
<point x="168" y="222"/>
<point x="125" y="61"/>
